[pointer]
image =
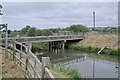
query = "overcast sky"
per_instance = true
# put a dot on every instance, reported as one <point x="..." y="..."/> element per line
<point x="59" y="14"/>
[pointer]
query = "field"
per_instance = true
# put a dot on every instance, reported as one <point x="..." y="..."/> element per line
<point x="101" y="40"/>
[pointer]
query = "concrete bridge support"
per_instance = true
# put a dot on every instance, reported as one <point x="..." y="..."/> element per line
<point x="56" y="45"/>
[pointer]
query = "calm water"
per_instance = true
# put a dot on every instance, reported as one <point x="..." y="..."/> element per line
<point x="90" y="65"/>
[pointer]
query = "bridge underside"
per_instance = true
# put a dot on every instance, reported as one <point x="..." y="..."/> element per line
<point x="56" y="45"/>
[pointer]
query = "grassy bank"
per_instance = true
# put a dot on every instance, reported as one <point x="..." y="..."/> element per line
<point x="91" y="49"/>
<point x="67" y="72"/>
<point x="94" y="42"/>
<point x="100" y="40"/>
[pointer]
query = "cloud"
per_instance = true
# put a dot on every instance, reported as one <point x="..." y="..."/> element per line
<point x="59" y="0"/>
<point x="58" y="14"/>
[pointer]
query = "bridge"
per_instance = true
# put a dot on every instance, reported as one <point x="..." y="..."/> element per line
<point x="55" y="42"/>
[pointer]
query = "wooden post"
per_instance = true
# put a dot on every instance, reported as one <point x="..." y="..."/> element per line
<point x="26" y="66"/>
<point x="35" y="68"/>
<point x="14" y="46"/>
<point x="45" y="63"/>
<point x="20" y="54"/>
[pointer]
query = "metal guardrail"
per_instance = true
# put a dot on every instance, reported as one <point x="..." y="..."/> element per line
<point x="28" y="62"/>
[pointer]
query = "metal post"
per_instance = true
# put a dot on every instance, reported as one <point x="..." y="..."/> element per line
<point x="6" y="41"/>
<point x="94" y="22"/>
<point x="93" y="68"/>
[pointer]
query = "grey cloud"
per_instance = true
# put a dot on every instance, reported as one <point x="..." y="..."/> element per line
<point x="61" y="14"/>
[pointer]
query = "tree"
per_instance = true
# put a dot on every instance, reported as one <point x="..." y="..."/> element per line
<point x="31" y="31"/>
<point x="46" y="32"/>
<point x="24" y="30"/>
<point x="38" y="32"/>
<point x="77" y="28"/>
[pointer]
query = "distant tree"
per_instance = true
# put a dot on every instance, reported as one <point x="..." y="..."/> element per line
<point x="46" y="32"/>
<point x="77" y="28"/>
<point x="38" y="32"/>
<point x="31" y="31"/>
<point x="24" y="30"/>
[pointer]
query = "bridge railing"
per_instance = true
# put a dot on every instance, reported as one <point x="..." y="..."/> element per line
<point x="46" y="38"/>
<point x="49" y="38"/>
<point x="28" y="62"/>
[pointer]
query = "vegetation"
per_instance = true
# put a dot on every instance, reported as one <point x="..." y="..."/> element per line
<point x="78" y="28"/>
<point x="37" y="46"/>
<point x="32" y="31"/>
<point x="69" y="72"/>
<point x="91" y="49"/>
<point x="100" y="40"/>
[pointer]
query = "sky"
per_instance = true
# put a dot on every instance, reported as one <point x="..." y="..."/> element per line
<point x="44" y="15"/>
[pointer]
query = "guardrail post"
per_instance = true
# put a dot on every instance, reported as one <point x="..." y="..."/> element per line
<point x="45" y="63"/>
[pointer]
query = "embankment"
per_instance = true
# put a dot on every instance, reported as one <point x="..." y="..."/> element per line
<point x="93" y="43"/>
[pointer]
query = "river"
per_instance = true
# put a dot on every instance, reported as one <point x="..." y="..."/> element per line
<point x="89" y="65"/>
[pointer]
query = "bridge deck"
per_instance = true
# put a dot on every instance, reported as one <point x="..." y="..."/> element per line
<point x="48" y="38"/>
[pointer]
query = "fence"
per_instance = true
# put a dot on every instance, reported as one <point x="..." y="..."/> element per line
<point x="28" y="62"/>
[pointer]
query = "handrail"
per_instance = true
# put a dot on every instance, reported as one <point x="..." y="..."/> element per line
<point x="25" y="61"/>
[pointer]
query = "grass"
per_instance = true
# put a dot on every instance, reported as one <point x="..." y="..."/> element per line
<point x="68" y="72"/>
<point x="93" y="43"/>
<point x="0" y="66"/>
<point x="37" y="46"/>
<point x="91" y="49"/>
<point x="100" y="40"/>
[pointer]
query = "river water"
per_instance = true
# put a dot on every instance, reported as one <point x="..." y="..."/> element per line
<point x="89" y="65"/>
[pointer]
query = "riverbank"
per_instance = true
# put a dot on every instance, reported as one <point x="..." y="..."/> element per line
<point x="93" y="43"/>
<point x="91" y="49"/>
<point x="100" y="40"/>
<point x="73" y="74"/>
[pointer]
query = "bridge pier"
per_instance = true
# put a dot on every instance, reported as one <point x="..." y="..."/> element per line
<point x="56" y="45"/>
<point x="63" y="44"/>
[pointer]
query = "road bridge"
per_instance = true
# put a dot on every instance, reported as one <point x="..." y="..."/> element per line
<point x="55" y="42"/>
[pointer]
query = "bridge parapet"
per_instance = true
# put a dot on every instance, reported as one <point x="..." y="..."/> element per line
<point x="49" y="38"/>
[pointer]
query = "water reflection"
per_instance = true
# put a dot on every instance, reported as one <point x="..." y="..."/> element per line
<point x="88" y="65"/>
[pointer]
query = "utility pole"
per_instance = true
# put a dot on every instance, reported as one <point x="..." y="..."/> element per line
<point x="94" y="22"/>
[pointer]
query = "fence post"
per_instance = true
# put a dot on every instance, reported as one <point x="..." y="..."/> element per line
<point x="20" y="54"/>
<point x="35" y="68"/>
<point x="45" y="63"/>
<point x="26" y="65"/>
<point x="14" y="46"/>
